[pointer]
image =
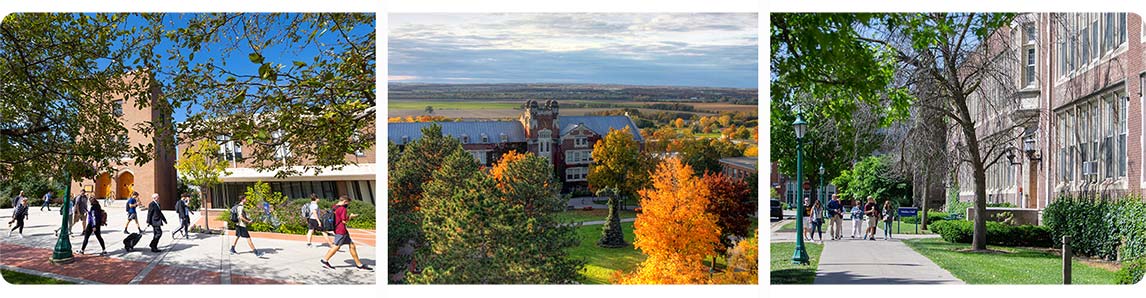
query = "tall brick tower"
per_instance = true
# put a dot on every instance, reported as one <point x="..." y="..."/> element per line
<point x="541" y="128"/>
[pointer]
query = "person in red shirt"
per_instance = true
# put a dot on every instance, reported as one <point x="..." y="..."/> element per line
<point x="342" y="236"/>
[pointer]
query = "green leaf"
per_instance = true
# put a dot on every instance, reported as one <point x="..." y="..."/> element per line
<point x="256" y="58"/>
<point x="300" y="64"/>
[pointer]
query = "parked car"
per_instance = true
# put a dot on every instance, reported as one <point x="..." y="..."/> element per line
<point x="777" y="209"/>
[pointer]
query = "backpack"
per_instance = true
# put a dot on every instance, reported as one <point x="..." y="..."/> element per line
<point x="102" y="217"/>
<point x="328" y="220"/>
<point x="305" y="211"/>
<point x="235" y="214"/>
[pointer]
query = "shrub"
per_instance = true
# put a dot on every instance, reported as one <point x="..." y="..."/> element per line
<point x="1132" y="271"/>
<point x="932" y="217"/>
<point x="6" y="202"/>
<point x="962" y="231"/>
<point x="1103" y="228"/>
<point x="959" y="207"/>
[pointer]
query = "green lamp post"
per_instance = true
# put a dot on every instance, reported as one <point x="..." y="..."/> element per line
<point x="62" y="253"/>
<point x="800" y="256"/>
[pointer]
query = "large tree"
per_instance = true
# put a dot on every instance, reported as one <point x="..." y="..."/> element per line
<point x="62" y="70"/>
<point x="731" y="201"/>
<point x="410" y="169"/>
<point x="60" y="73"/>
<point x="619" y="163"/>
<point x="495" y="228"/>
<point x="961" y="56"/>
<point x="674" y="228"/>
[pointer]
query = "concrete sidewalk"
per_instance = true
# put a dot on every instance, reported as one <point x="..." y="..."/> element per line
<point x="857" y="261"/>
<point x="202" y="259"/>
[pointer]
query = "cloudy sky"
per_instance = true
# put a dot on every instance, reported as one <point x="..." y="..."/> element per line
<point x="712" y="50"/>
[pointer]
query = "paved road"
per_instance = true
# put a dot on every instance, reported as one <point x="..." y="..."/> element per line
<point x="202" y="259"/>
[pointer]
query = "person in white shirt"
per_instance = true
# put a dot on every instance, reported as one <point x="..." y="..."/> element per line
<point x="314" y="222"/>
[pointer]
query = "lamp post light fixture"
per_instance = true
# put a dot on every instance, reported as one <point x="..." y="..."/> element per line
<point x="823" y="195"/>
<point x="800" y="256"/>
<point x="1029" y="147"/>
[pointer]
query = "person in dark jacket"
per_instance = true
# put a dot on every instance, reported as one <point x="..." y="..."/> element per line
<point x="156" y="220"/>
<point x="94" y="221"/>
<point x="19" y="215"/>
<point x="184" y="213"/>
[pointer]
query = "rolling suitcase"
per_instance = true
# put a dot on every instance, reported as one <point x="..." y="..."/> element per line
<point x="130" y="242"/>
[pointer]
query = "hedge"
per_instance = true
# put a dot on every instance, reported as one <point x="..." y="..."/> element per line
<point x="291" y="220"/>
<point x="1112" y="229"/>
<point x="1132" y="271"/>
<point x="962" y="231"/>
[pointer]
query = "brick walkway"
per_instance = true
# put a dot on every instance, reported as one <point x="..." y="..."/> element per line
<point x="108" y="270"/>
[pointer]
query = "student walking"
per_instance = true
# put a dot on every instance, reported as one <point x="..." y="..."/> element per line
<point x="857" y="219"/>
<point x="342" y="236"/>
<point x="47" y="201"/>
<point x="310" y="212"/>
<point x="18" y="200"/>
<point x="817" y="221"/>
<point x="184" y="213"/>
<point x="888" y="217"/>
<point x="806" y="208"/>
<point x="19" y="214"/>
<point x="240" y="219"/>
<point x="156" y="220"/>
<point x="96" y="218"/>
<point x="132" y="213"/>
<point x="836" y="217"/>
<point x="871" y="210"/>
<point x="78" y="211"/>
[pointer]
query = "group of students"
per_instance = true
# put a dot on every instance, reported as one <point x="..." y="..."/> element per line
<point x="870" y="214"/>
<point x="311" y="213"/>
<point x="90" y="213"/>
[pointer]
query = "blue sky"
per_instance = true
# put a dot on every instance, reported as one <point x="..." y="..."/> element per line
<point x="712" y="50"/>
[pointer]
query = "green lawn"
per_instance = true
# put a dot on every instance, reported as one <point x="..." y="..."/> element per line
<point x="1016" y="266"/>
<point x="18" y="278"/>
<point x="451" y="105"/>
<point x="784" y="272"/>
<point x="591" y="215"/>
<point x="602" y="262"/>
<point x="904" y="228"/>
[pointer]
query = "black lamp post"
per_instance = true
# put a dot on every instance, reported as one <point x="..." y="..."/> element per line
<point x="800" y="256"/>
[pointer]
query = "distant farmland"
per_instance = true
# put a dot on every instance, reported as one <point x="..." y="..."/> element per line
<point x="512" y="109"/>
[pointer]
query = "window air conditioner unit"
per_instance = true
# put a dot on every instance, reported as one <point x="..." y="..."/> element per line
<point x="1090" y="168"/>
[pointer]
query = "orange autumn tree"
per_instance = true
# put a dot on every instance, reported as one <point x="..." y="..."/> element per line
<point x="674" y="229"/>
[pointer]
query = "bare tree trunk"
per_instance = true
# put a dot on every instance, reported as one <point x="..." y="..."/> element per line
<point x="926" y="190"/>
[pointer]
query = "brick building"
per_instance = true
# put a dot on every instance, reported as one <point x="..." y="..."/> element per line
<point x="741" y="168"/>
<point x="155" y="176"/>
<point x="1078" y="106"/>
<point x="567" y="141"/>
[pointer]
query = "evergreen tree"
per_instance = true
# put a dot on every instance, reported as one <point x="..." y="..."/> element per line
<point x="408" y="173"/>
<point x="611" y="234"/>
<point x="496" y="228"/>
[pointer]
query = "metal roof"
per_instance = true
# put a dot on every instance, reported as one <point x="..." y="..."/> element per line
<point x="745" y="162"/>
<point x="473" y="129"/>
<point x="600" y="124"/>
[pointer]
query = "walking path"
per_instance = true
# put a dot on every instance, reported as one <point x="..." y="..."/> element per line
<point x="202" y="259"/>
<point x="857" y="261"/>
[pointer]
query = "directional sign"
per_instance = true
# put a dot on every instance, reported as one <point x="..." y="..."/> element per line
<point x="908" y="211"/>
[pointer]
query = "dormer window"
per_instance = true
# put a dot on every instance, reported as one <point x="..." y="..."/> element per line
<point x="465" y="139"/>
<point x="405" y="139"/>
<point x="484" y="139"/>
<point x="581" y="142"/>
<point x="504" y="138"/>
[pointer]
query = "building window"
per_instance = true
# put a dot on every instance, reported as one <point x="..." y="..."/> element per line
<point x="1124" y="104"/>
<point x="1029" y="70"/>
<point x="282" y="150"/>
<point x="229" y="149"/>
<point x="465" y="139"/>
<point x="480" y="156"/>
<point x="504" y="138"/>
<point x="484" y="139"/>
<point x="581" y="142"/>
<point x="578" y="156"/>
<point x="576" y="174"/>
<point x="405" y="139"/>
<point x="117" y="108"/>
